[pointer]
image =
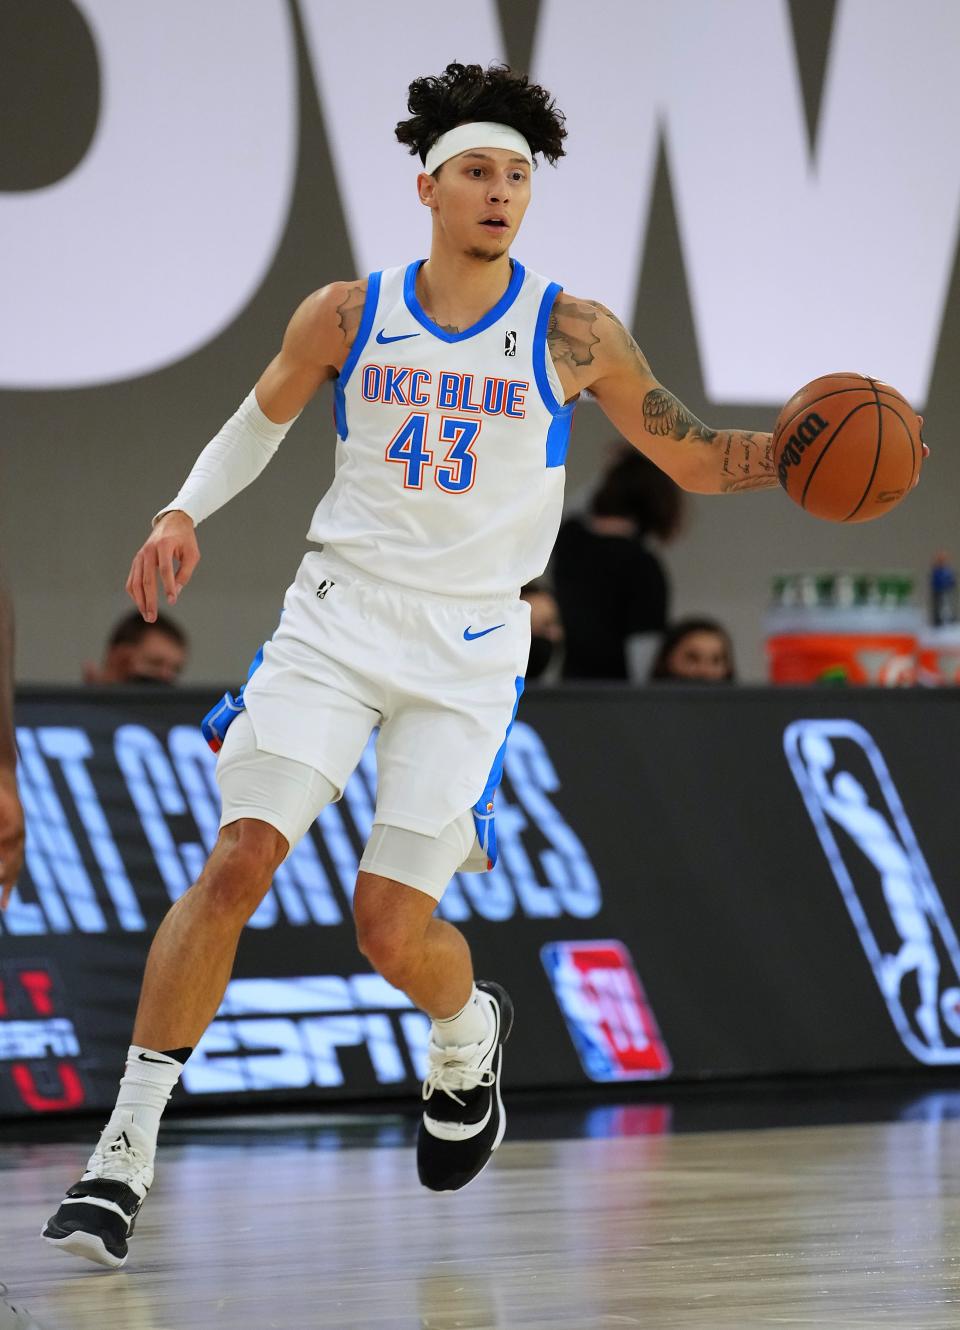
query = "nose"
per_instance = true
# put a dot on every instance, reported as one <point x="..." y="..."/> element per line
<point x="499" y="191"/>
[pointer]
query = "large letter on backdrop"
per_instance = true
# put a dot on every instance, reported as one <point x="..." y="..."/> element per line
<point x="164" y="231"/>
<point x="364" y="95"/>
<point x="795" y="267"/>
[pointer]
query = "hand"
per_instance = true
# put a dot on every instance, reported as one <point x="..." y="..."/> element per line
<point x="11" y="834"/>
<point x="173" y="538"/>
<point x="926" y="451"/>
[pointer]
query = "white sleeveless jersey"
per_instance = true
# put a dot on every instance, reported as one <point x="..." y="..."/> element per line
<point x="450" y="446"/>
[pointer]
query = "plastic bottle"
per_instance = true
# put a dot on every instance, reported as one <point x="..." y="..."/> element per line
<point x="943" y="592"/>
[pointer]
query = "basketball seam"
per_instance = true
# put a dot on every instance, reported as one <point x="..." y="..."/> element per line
<point x="876" y="457"/>
<point x="825" y="449"/>
<point x="837" y="392"/>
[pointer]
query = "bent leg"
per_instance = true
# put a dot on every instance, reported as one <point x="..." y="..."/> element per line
<point x="403" y="875"/>
<point x="192" y="954"/>
<point x="427" y="958"/>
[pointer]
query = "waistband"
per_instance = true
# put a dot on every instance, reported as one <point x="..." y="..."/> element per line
<point x="333" y="562"/>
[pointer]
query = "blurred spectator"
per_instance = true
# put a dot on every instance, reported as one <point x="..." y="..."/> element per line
<point x="610" y="585"/>
<point x="546" y="632"/>
<point x="139" y="652"/>
<point x="695" y="651"/>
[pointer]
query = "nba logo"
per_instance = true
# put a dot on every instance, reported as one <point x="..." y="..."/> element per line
<point x="610" y="1021"/>
<point x="510" y="344"/>
<point x="895" y="906"/>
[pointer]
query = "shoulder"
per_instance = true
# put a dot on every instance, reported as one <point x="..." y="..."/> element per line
<point x="587" y="340"/>
<point x="325" y="323"/>
<point x="337" y="306"/>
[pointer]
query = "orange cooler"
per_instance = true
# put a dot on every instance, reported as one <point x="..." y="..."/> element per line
<point x="855" y="645"/>
<point x="938" y="657"/>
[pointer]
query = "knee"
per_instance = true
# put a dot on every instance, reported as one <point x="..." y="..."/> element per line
<point x="389" y="945"/>
<point x="241" y="868"/>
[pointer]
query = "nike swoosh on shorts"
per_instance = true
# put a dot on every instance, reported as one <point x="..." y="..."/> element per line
<point x="469" y="637"/>
<point x="401" y="337"/>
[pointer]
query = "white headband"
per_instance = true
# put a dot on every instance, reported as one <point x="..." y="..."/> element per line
<point x="476" y="134"/>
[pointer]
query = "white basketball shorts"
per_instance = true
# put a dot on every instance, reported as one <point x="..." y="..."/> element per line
<point x="440" y="676"/>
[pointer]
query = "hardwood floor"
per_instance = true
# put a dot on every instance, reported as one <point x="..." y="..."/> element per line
<point x="830" y="1226"/>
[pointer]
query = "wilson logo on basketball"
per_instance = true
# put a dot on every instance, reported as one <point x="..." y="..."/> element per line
<point x="805" y="433"/>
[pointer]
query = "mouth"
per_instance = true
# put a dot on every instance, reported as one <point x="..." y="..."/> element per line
<point x="495" y="225"/>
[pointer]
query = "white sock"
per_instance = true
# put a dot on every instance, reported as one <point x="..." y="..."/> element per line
<point x="471" y="1024"/>
<point x="145" y="1088"/>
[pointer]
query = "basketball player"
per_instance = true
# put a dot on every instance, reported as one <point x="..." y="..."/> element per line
<point x="455" y="380"/>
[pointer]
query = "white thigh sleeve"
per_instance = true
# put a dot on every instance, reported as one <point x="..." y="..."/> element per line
<point x="286" y="794"/>
<point x="230" y="461"/>
<point x="425" y="862"/>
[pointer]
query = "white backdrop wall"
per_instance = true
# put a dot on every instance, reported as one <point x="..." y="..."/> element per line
<point x="764" y="190"/>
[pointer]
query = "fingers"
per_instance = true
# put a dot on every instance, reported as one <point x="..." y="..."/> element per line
<point x="149" y="584"/>
<point x="141" y="583"/>
<point x="165" y="564"/>
<point x="189" y="559"/>
<point x="11" y="863"/>
<point x="156" y="557"/>
<point x="134" y="581"/>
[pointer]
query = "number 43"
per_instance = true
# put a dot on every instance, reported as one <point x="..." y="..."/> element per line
<point x="408" y="447"/>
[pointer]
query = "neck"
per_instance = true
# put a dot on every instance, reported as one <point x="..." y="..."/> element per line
<point x="457" y="290"/>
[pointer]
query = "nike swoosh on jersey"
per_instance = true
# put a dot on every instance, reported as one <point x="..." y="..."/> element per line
<point x="401" y="337"/>
<point x="469" y="637"/>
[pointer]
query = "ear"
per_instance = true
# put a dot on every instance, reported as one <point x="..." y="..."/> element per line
<point x="427" y="190"/>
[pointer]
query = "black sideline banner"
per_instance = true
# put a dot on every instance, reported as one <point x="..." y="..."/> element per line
<point x="691" y="884"/>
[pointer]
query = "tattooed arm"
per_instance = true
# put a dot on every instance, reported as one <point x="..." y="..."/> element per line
<point x="591" y="349"/>
<point x="315" y="345"/>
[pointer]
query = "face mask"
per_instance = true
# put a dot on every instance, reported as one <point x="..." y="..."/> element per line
<point x="541" y="652"/>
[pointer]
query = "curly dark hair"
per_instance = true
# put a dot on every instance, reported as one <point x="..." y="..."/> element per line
<point x="463" y="93"/>
<point x="634" y="487"/>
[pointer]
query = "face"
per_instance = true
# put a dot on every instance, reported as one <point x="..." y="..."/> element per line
<point x="700" y="655"/>
<point x="155" y="658"/>
<point x="478" y="200"/>
<point x="544" y="616"/>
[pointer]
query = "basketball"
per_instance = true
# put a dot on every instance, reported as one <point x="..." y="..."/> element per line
<point x="847" y="448"/>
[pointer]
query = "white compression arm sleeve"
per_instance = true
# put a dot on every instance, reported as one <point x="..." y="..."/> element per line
<point x="230" y="461"/>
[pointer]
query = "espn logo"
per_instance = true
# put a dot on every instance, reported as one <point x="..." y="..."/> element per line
<point x="288" y="1034"/>
<point x="38" y="1047"/>
<point x="609" y="1018"/>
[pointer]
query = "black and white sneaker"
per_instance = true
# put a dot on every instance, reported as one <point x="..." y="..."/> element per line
<point x="463" y="1122"/>
<point x="98" y="1213"/>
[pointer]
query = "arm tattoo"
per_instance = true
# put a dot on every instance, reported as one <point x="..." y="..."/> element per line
<point x="570" y="332"/>
<point x="747" y="462"/>
<point x="350" y="311"/>
<point x="664" y="415"/>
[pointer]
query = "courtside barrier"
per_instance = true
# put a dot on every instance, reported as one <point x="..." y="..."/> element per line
<point x="693" y="883"/>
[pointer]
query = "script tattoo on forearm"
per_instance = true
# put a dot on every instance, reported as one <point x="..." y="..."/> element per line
<point x="747" y="462"/>
<point x="350" y="311"/>
<point x="665" y="416"/>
